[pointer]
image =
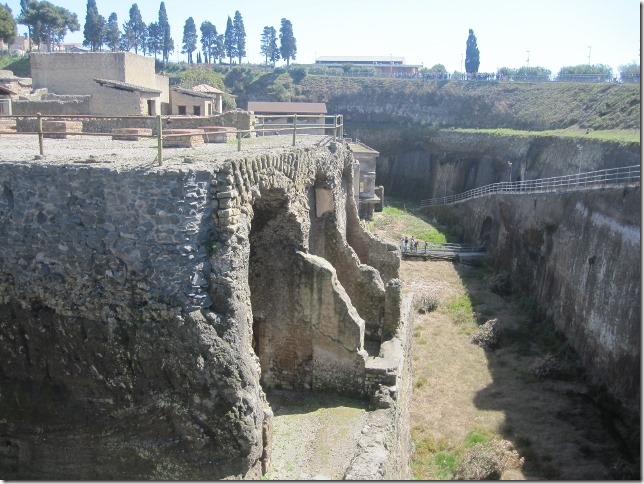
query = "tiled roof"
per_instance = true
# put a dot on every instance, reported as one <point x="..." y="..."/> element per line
<point x="190" y="92"/>
<point x="382" y="59"/>
<point x="206" y="88"/>
<point x="126" y="86"/>
<point x="261" y="107"/>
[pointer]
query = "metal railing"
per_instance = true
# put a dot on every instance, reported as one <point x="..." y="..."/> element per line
<point x="330" y="124"/>
<point x="450" y="248"/>
<point x="581" y="181"/>
<point x="336" y="128"/>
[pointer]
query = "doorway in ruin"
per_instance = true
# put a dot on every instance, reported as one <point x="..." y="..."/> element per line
<point x="282" y="344"/>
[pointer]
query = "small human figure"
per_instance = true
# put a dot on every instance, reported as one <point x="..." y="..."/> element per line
<point x="406" y="241"/>
<point x="402" y="243"/>
<point x="425" y="247"/>
<point x="411" y="246"/>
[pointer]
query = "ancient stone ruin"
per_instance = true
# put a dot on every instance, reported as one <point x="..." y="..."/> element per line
<point x="143" y="309"/>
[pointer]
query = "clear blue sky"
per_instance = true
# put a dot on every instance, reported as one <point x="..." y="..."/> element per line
<point x="550" y="33"/>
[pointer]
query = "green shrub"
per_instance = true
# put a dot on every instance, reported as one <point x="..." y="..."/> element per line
<point x="297" y="74"/>
<point x="446" y="464"/>
<point x="501" y="284"/>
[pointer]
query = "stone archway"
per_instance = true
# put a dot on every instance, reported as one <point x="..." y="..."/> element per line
<point x="282" y="345"/>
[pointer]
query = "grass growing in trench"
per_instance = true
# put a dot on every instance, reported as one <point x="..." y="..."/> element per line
<point x="400" y="219"/>
<point x="460" y="309"/>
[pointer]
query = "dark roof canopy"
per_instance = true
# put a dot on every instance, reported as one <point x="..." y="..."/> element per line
<point x="125" y="86"/>
<point x="261" y="107"/>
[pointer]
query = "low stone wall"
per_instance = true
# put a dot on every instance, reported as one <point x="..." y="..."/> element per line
<point x="237" y="119"/>
<point x="51" y="107"/>
<point x="385" y="448"/>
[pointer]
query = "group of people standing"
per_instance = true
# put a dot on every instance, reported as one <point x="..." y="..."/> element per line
<point x="410" y="245"/>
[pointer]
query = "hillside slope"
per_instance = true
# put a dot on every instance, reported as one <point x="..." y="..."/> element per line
<point x="529" y="106"/>
<point x="517" y="105"/>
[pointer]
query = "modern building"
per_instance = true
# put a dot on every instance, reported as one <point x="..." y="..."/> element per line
<point x="388" y="65"/>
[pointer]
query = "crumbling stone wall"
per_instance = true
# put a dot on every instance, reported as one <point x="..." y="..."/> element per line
<point x="385" y="448"/>
<point x="126" y="313"/>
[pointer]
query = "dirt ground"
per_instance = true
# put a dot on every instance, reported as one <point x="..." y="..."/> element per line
<point x="314" y="435"/>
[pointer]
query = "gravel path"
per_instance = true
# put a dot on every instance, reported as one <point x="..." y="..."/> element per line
<point x="103" y="151"/>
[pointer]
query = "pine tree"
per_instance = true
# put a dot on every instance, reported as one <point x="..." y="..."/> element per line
<point x="230" y="46"/>
<point x="472" y="60"/>
<point x="288" y="46"/>
<point x="8" y="27"/>
<point x="239" y="36"/>
<point x="167" y="42"/>
<point x="189" y="38"/>
<point x="112" y="33"/>
<point x="49" y="23"/>
<point x="269" y="45"/>
<point x="94" y="27"/>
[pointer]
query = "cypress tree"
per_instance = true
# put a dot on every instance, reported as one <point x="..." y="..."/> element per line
<point x="167" y="42"/>
<point x="94" y="26"/>
<point x="471" y="54"/>
<point x="189" y="38"/>
<point x="230" y="46"/>
<point x="112" y="33"/>
<point x="239" y="35"/>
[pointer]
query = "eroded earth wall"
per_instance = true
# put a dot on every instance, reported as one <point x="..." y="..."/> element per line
<point x="421" y="163"/>
<point x="578" y="255"/>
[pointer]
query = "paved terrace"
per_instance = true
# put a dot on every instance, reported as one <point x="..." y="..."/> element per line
<point x="103" y="151"/>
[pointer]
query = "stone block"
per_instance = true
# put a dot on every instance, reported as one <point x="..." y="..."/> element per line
<point x="7" y="125"/>
<point x="59" y="129"/>
<point x="130" y="134"/>
<point x="182" y="138"/>
<point x="219" y="134"/>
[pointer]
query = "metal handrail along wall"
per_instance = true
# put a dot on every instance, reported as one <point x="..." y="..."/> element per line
<point x="580" y="181"/>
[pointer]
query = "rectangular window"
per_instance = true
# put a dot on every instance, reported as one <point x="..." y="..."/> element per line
<point x="196" y="110"/>
<point x="182" y="109"/>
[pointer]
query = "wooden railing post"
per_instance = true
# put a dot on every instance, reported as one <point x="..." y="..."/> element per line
<point x="40" y="135"/>
<point x="239" y="140"/>
<point x="294" y="128"/>
<point x="159" y="140"/>
<point x="335" y="128"/>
